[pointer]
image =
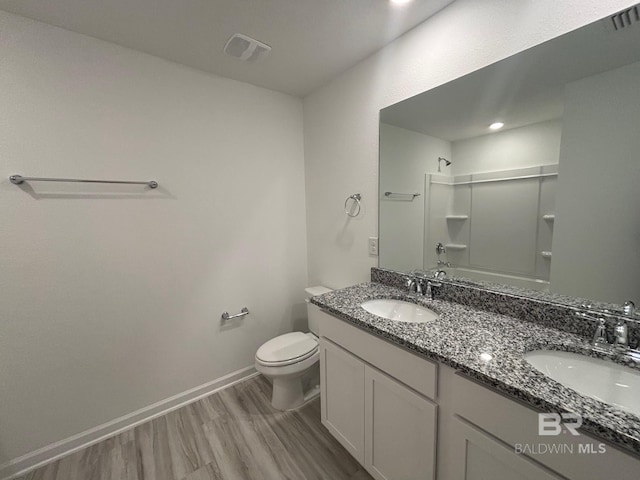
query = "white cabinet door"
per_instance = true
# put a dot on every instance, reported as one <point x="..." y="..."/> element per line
<point x="481" y="457"/>
<point x="400" y="430"/>
<point x="342" y="397"/>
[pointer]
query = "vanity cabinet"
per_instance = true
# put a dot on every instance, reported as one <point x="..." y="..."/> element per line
<point x="390" y="408"/>
<point x="502" y="426"/>
<point x="342" y="397"/>
<point x="478" y="456"/>
<point x="387" y="426"/>
<point x="400" y="430"/>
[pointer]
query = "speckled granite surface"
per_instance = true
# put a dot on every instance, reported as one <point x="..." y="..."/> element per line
<point x="551" y="310"/>
<point x="462" y="333"/>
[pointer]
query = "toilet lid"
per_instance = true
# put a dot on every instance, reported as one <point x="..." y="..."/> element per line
<point x="288" y="348"/>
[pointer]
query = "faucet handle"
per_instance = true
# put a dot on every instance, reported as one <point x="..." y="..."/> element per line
<point x="621" y="341"/>
<point x="629" y="308"/>
<point x="600" y="337"/>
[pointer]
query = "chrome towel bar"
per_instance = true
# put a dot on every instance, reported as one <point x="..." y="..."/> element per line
<point x="413" y="195"/>
<point x="19" y="179"/>
<point x="226" y="316"/>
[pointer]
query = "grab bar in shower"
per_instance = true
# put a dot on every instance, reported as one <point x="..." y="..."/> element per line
<point x="19" y="179"/>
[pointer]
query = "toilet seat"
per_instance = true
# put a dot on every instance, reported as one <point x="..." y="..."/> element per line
<point x="287" y="349"/>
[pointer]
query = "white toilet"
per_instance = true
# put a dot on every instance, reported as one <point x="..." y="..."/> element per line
<point x="291" y="362"/>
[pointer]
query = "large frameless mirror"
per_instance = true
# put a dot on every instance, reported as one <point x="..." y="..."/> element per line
<point x="524" y="173"/>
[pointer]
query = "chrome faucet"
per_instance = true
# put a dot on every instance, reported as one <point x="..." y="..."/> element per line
<point x="600" y="337"/>
<point x="430" y="286"/>
<point x="621" y="341"/>
<point x="420" y="283"/>
<point x="435" y="282"/>
<point x="415" y="285"/>
<point x="621" y="330"/>
<point x="599" y="341"/>
<point x="440" y="249"/>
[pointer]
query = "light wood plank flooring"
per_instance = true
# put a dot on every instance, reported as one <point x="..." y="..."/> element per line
<point x="234" y="434"/>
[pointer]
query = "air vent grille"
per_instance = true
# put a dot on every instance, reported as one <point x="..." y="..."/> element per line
<point x="245" y="48"/>
<point x="625" y="18"/>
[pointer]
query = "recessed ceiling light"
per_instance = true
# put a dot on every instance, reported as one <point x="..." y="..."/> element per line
<point x="496" y="126"/>
<point x="400" y="2"/>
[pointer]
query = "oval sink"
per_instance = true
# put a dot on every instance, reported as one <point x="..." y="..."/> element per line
<point x="399" y="310"/>
<point x="600" y="379"/>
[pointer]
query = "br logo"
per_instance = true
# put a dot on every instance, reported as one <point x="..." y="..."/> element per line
<point x="551" y="424"/>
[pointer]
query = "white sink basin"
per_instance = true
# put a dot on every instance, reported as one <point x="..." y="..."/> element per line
<point x="600" y="379"/>
<point x="399" y="310"/>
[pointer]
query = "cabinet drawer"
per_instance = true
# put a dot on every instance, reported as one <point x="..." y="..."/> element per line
<point x="517" y="424"/>
<point x="411" y="369"/>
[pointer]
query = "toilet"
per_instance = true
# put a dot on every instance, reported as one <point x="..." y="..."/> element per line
<point x="291" y="362"/>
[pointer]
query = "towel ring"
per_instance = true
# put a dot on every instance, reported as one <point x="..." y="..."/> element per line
<point x="356" y="197"/>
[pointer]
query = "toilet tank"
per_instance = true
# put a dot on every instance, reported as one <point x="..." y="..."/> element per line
<point x="313" y="309"/>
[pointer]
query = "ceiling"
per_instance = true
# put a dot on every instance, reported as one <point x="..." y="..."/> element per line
<point x="312" y="41"/>
<point x="520" y="90"/>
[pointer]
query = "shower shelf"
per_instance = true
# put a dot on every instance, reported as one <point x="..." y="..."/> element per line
<point x="549" y="218"/>
<point x="457" y="217"/>
<point x="545" y="254"/>
<point x="455" y="246"/>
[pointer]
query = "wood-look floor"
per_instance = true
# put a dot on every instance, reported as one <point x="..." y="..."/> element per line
<point x="234" y="434"/>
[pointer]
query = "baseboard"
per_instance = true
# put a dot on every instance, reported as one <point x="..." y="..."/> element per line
<point x="42" y="456"/>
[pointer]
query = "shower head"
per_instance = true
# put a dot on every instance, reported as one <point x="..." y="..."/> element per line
<point x="442" y="159"/>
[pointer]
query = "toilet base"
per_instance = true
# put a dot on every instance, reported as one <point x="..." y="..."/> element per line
<point x="294" y="389"/>
<point x="287" y="393"/>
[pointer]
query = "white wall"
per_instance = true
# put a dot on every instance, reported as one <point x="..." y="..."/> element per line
<point x="405" y="158"/>
<point x="111" y="296"/>
<point x="596" y="236"/>
<point x="529" y="146"/>
<point x="341" y="119"/>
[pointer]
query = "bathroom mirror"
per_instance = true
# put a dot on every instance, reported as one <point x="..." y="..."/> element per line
<point x="549" y="201"/>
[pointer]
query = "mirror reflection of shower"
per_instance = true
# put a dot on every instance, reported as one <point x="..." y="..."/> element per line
<point x="446" y="163"/>
<point x="440" y="249"/>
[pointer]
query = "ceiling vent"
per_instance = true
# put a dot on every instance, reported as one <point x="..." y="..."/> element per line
<point x="245" y="48"/>
<point x="624" y="19"/>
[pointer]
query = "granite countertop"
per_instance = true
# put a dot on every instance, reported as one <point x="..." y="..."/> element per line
<point x="462" y="333"/>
